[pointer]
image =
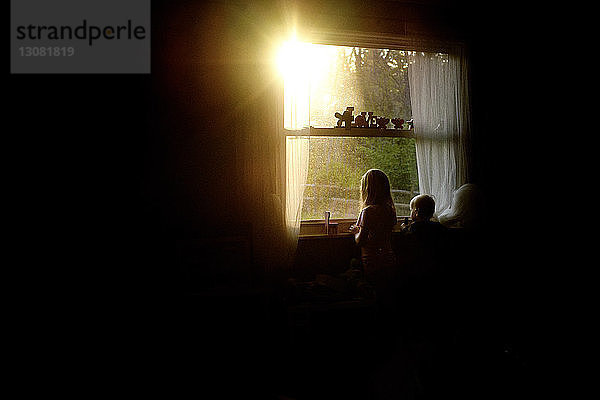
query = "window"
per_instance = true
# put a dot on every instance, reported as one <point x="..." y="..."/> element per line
<point x="325" y="79"/>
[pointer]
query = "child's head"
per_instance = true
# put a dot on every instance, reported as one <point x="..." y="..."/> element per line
<point x="422" y="207"/>
<point x="375" y="189"/>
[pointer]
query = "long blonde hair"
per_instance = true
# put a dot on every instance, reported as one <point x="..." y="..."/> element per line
<point x="375" y="189"/>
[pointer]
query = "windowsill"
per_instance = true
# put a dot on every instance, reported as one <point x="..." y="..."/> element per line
<point x="339" y="228"/>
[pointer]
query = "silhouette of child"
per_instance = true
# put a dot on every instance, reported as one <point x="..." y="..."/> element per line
<point x="373" y="233"/>
<point x="373" y="229"/>
<point x="423" y="267"/>
<point x="422" y="208"/>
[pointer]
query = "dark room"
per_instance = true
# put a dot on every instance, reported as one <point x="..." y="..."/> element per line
<point x="279" y="199"/>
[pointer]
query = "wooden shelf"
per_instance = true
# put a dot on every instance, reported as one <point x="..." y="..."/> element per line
<point x="354" y="132"/>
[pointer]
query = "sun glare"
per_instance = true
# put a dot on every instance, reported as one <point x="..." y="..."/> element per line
<point x="301" y="58"/>
<point x="303" y="66"/>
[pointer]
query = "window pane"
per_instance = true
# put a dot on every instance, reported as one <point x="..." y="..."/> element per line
<point x="337" y="164"/>
<point x="367" y="79"/>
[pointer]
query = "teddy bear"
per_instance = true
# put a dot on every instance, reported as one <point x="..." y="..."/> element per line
<point x="361" y="120"/>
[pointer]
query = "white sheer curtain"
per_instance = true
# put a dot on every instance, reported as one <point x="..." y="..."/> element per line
<point x="297" y="150"/>
<point x="440" y="107"/>
<point x="296" y="118"/>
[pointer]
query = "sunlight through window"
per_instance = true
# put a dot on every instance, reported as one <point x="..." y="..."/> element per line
<point x="304" y="67"/>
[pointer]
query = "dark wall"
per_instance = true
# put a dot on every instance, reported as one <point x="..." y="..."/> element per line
<point x="513" y="147"/>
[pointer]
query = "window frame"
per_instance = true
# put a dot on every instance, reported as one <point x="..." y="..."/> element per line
<point x="367" y="40"/>
<point x="353" y="132"/>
